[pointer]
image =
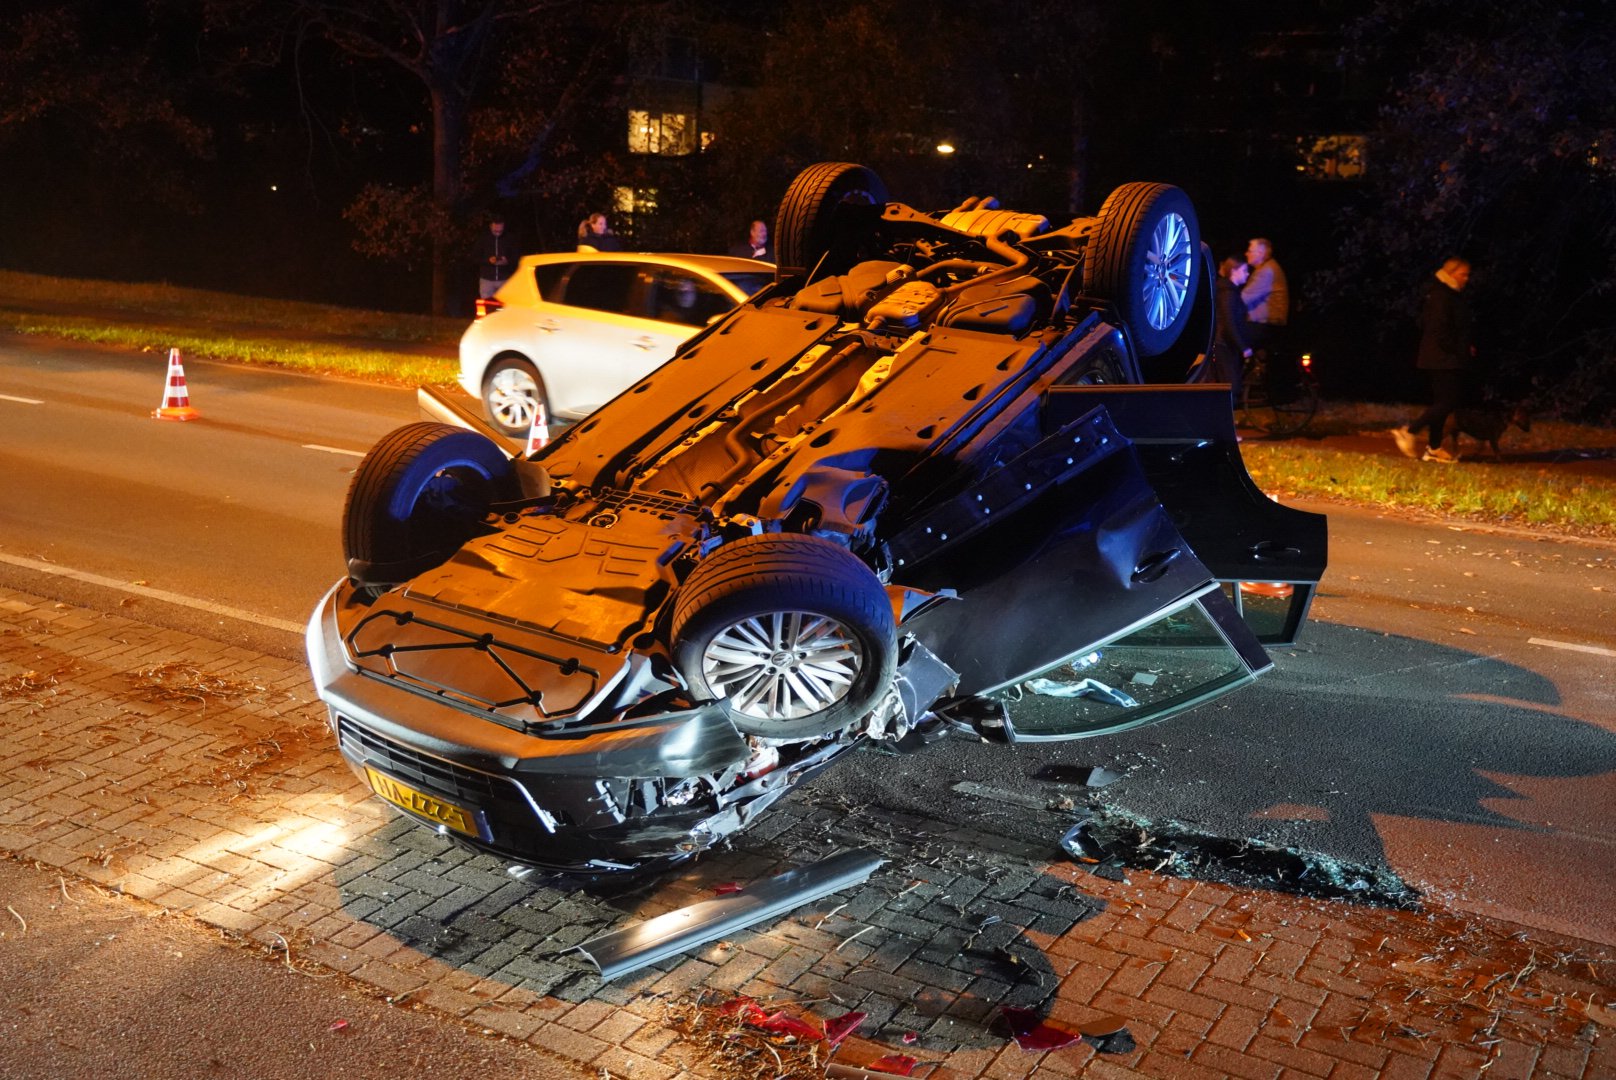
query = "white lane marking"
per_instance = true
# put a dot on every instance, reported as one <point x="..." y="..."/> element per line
<point x="21" y="400"/>
<point x="154" y="594"/>
<point x="1595" y="649"/>
<point x="333" y="449"/>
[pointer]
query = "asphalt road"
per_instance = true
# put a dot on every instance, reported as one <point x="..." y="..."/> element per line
<point x="1443" y="716"/>
<point x="240" y="509"/>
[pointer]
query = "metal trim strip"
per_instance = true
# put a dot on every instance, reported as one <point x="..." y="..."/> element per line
<point x="619" y="952"/>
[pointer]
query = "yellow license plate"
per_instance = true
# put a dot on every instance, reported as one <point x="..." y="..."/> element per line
<point x="430" y="807"/>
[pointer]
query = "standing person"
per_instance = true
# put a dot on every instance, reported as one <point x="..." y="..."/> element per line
<point x="496" y="258"/>
<point x="1267" y="297"/>
<point x="1231" y="347"/>
<point x="1445" y="350"/>
<point x="595" y="234"/>
<point x="756" y="245"/>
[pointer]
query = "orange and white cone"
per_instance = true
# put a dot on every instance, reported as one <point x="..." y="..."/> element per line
<point x="538" y="435"/>
<point x="176" y="399"/>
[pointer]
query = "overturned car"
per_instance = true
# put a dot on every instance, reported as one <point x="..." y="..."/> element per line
<point x="943" y="456"/>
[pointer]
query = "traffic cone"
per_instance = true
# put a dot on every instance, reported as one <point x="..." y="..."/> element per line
<point x="176" y="399"/>
<point x="539" y="434"/>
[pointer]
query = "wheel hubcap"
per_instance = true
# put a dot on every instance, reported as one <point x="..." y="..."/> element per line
<point x="783" y="666"/>
<point x="513" y="398"/>
<point x="1167" y="271"/>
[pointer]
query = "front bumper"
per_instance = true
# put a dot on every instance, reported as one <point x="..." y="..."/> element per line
<point x="586" y="799"/>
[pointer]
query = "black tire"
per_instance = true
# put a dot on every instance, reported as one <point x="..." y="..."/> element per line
<point x="508" y="382"/>
<point x="420" y="493"/>
<point x="1153" y="297"/>
<point x="765" y="594"/>
<point x="805" y="228"/>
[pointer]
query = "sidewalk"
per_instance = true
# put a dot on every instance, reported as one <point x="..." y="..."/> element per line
<point x="200" y="777"/>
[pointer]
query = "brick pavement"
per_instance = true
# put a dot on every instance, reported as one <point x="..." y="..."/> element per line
<point x="200" y="776"/>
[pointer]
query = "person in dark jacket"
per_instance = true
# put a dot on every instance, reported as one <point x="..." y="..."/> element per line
<point x="1231" y="347"/>
<point x="1446" y="331"/>
<point x="496" y="258"/>
<point x="757" y="245"/>
<point x="595" y="234"/>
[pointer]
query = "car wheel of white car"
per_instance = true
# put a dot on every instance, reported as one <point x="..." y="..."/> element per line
<point x="420" y="493"/>
<point x="805" y="229"/>
<point x="1144" y="258"/>
<point x="512" y="391"/>
<point x="793" y="632"/>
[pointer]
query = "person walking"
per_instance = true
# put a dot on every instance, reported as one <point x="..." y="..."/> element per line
<point x="595" y="234"/>
<point x="1446" y="331"/>
<point x="496" y="258"/>
<point x="756" y="245"/>
<point x="1231" y="346"/>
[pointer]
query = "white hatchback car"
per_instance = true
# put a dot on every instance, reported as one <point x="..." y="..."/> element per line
<point x="574" y="330"/>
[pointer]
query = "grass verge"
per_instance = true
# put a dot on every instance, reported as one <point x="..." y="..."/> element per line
<point x="418" y="350"/>
<point x="1533" y="494"/>
<point x="317" y="338"/>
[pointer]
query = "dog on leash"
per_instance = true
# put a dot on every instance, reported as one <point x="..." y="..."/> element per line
<point x="1487" y="424"/>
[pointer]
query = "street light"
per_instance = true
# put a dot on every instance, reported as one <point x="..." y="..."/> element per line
<point x="945" y="147"/>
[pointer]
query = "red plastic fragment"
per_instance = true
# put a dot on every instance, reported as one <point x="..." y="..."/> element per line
<point x="896" y="1064"/>
<point x="735" y="1005"/>
<point x="838" y="1028"/>
<point x="339" y="1025"/>
<point x="909" y="1037"/>
<point x="725" y="888"/>
<point x="1032" y="1032"/>
<point x="779" y="1023"/>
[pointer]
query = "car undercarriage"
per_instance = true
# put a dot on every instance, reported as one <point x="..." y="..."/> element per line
<point x="945" y="456"/>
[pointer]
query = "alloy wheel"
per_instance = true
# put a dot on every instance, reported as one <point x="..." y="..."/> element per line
<point x="783" y="665"/>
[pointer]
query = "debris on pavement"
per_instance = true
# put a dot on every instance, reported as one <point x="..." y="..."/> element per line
<point x="178" y="683"/>
<point x="1031" y="1031"/>
<point x="1094" y="776"/>
<point x="896" y="1064"/>
<point x="839" y="1028"/>
<point x="1107" y="839"/>
<point x="30" y="683"/>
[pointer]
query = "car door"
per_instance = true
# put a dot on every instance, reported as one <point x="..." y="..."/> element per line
<point x="606" y="338"/>
<point x="1073" y="582"/>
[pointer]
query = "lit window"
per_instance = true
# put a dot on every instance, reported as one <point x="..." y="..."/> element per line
<point x="1331" y="157"/>
<point x="632" y="201"/>
<point x="661" y="133"/>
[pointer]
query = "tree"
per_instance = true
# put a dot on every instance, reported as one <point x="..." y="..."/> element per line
<point x="1497" y="142"/>
<point x="95" y="116"/>
<point x="884" y="83"/>
<point x="462" y="58"/>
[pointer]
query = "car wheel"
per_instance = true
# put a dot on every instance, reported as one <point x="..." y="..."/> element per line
<point x="420" y="493"/>
<point x="1144" y="258"/>
<point x="794" y="631"/>
<point x="512" y="391"/>
<point x="805" y="229"/>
